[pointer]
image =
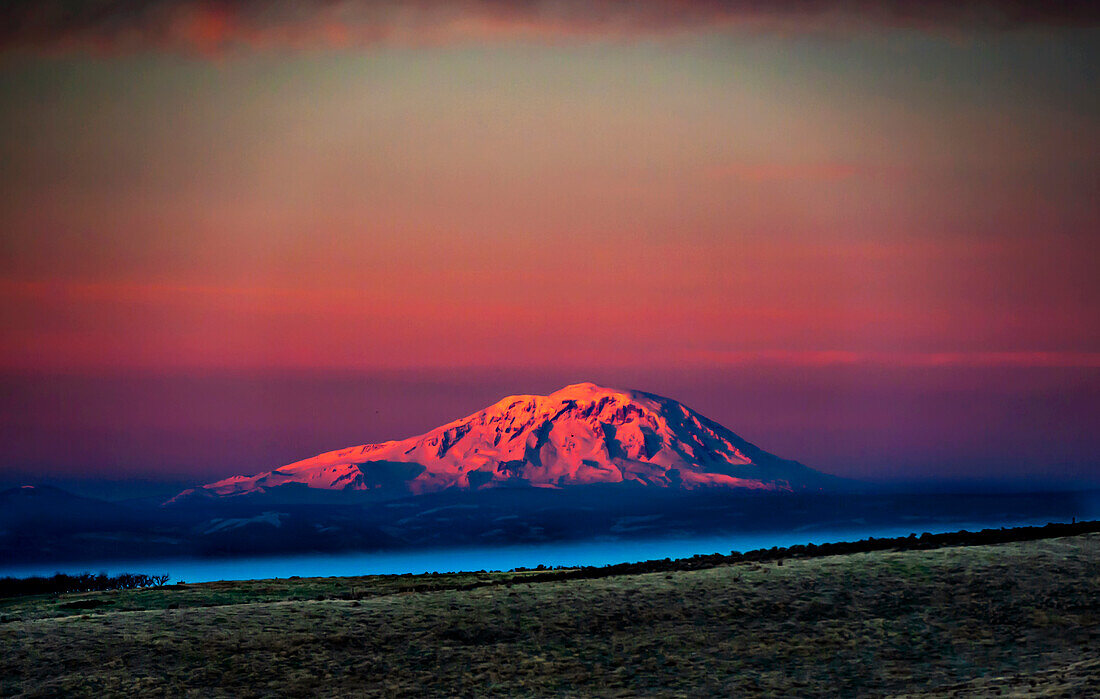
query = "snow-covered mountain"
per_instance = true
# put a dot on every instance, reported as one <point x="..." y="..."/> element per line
<point x="582" y="434"/>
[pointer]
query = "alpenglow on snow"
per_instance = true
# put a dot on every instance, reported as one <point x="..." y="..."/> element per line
<point x="582" y="434"/>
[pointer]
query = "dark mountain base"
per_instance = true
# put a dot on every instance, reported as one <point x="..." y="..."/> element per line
<point x="57" y="527"/>
<point x="1019" y="618"/>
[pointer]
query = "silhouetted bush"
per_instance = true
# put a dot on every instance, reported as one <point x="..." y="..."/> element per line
<point x="81" y="582"/>
<point x="776" y="554"/>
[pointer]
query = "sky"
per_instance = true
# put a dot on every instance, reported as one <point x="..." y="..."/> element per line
<point x="861" y="234"/>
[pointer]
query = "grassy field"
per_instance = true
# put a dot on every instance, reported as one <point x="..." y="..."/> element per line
<point x="1017" y="618"/>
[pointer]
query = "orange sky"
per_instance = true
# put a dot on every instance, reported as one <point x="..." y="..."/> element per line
<point x="576" y="187"/>
<point x="559" y="188"/>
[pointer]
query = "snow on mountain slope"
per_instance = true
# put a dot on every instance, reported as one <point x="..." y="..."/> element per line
<point x="581" y="434"/>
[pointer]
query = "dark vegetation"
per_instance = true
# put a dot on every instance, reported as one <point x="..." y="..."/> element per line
<point x="80" y="582"/>
<point x="985" y="613"/>
<point x="87" y="582"/>
<point x="912" y="542"/>
<point x="1018" y="618"/>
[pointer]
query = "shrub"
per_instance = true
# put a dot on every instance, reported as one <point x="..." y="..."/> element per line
<point x="81" y="582"/>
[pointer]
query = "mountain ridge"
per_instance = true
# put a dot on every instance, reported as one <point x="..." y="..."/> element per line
<point x="581" y="434"/>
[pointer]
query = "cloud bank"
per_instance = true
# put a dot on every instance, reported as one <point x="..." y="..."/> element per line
<point x="121" y="26"/>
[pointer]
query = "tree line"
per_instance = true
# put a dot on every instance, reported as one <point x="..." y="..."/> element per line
<point x="80" y="582"/>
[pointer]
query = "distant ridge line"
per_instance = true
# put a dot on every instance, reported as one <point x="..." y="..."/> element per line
<point x="924" y="542"/>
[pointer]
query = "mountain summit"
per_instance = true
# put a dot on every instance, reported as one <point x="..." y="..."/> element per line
<point x="581" y="434"/>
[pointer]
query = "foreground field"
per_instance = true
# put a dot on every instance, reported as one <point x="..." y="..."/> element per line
<point x="1020" y="618"/>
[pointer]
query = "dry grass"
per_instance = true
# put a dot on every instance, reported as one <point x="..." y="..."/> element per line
<point x="1013" y="618"/>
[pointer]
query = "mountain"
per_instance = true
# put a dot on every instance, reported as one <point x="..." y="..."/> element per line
<point x="45" y="505"/>
<point x="583" y="434"/>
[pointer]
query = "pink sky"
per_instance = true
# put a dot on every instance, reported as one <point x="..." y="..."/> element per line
<point x="552" y="188"/>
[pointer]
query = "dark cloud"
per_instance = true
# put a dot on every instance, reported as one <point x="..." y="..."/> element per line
<point x="135" y="25"/>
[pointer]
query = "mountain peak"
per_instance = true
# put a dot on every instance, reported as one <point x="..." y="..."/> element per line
<point x="581" y="434"/>
<point x="586" y="390"/>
